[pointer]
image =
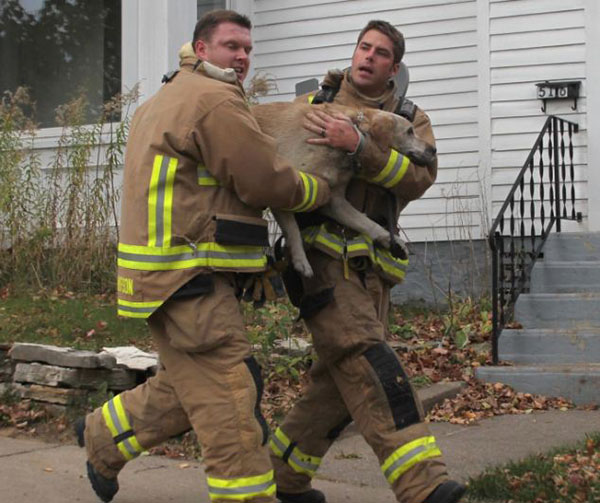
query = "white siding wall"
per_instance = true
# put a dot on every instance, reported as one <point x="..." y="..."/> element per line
<point x="533" y="41"/>
<point x="299" y="39"/>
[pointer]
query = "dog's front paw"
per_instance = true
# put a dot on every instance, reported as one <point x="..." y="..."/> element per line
<point x="303" y="267"/>
<point x="399" y="249"/>
<point x="384" y="239"/>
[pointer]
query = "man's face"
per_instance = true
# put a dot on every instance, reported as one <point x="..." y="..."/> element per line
<point x="229" y="47"/>
<point x="373" y="63"/>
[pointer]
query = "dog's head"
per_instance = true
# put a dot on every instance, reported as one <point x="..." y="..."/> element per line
<point x="388" y="129"/>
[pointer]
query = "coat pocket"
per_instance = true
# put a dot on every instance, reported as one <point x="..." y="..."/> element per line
<point x="240" y="230"/>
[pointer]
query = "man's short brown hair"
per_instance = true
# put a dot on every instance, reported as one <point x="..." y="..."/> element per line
<point x="390" y="32"/>
<point x="206" y="24"/>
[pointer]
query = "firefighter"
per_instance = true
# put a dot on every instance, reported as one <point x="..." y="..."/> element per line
<point x="198" y="173"/>
<point x="357" y="375"/>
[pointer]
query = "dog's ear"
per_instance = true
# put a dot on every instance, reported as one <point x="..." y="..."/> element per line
<point x="381" y="129"/>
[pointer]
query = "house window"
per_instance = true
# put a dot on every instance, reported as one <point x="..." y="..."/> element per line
<point x="60" y="50"/>
<point x="204" y="6"/>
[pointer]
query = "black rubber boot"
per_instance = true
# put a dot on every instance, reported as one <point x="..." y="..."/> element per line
<point x="310" y="496"/>
<point x="103" y="487"/>
<point x="447" y="492"/>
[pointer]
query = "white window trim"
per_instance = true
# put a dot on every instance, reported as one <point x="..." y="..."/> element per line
<point x="152" y="31"/>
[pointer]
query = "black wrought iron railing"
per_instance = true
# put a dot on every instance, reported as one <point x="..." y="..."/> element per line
<point x="543" y="195"/>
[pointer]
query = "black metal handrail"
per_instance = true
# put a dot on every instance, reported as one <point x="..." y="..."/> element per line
<point x="542" y="196"/>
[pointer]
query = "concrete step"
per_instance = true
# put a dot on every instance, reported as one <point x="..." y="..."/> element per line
<point x="575" y="246"/>
<point x="578" y="311"/>
<point x="579" y="383"/>
<point x="565" y="277"/>
<point x="549" y="346"/>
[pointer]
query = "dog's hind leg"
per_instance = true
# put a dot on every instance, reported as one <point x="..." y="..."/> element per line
<point x="293" y="238"/>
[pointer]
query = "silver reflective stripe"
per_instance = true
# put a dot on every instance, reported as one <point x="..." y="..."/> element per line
<point x="132" y="309"/>
<point x="194" y="255"/>
<point x="282" y="447"/>
<point x="242" y="490"/>
<point x="389" y="260"/>
<point x="394" y="172"/>
<point x="120" y="429"/>
<point x="302" y="464"/>
<point x="407" y="457"/>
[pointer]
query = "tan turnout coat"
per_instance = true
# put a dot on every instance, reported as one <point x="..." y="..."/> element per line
<point x="198" y="174"/>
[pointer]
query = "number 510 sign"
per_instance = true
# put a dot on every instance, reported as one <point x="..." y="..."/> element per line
<point x="558" y="90"/>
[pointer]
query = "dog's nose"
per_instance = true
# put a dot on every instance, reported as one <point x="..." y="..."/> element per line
<point x="431" y="150"/>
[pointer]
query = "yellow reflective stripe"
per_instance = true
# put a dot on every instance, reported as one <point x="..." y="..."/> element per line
<point x="405" y="457"/>
<point x="160" y="200"/>
<point x="241" y="488"/>
<point x="298" y="460"/>
<point x="147" y="258"/>
<point x="310" y="192"/>
<point x="130" y="314"/>
<point x="153" y="199"/>
<point x="168" y="202"/>
<point x="393" y="172"/>
<point x="393" y="266"/>
<point x="205" y="179"/>
<point x="118" y="424"/>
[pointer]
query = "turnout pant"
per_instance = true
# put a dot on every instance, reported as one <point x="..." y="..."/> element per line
<point x="357" y="377"/>
<point x="209" y="381"/>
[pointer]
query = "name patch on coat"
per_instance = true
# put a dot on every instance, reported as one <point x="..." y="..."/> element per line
<point x="125" y="285"/>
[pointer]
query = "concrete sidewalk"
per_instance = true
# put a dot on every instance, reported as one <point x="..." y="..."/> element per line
<point x="32" y="471"/>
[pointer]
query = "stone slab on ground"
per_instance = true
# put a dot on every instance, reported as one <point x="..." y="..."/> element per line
<point x="63" y="357"/>
<point x="292" y="346"/>
<point x="59" y="396"/>
<point x="51" y="375"/>
<point x="133" y="358"/>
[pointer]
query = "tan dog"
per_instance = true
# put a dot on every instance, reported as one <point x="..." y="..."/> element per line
<point x="283" y="121"/>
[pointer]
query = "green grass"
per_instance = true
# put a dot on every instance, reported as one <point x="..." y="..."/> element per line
<point x="569" y="474"/>
<point x="82" y="322"/>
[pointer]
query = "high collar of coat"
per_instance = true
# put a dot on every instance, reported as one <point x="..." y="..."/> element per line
<point x="189" y="61"/>
<point x="384" y="102"/>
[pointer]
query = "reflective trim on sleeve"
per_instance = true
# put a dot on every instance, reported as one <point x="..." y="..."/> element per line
<point x="243" y="488"/>
<point x="405" y="457"/>
<point x="213" y="255"/>
<point x="281" y="445"/>
<point x="205" y="179"/>
<point x="118" y="424"/>
<point x="160" y="200"/>
<point x="393" y="172"/>
<point x="310" y="192"/>
<point x="319" y="237"/>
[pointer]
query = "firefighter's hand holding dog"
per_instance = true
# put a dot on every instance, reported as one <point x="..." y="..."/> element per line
<point x="335" y="130"/>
